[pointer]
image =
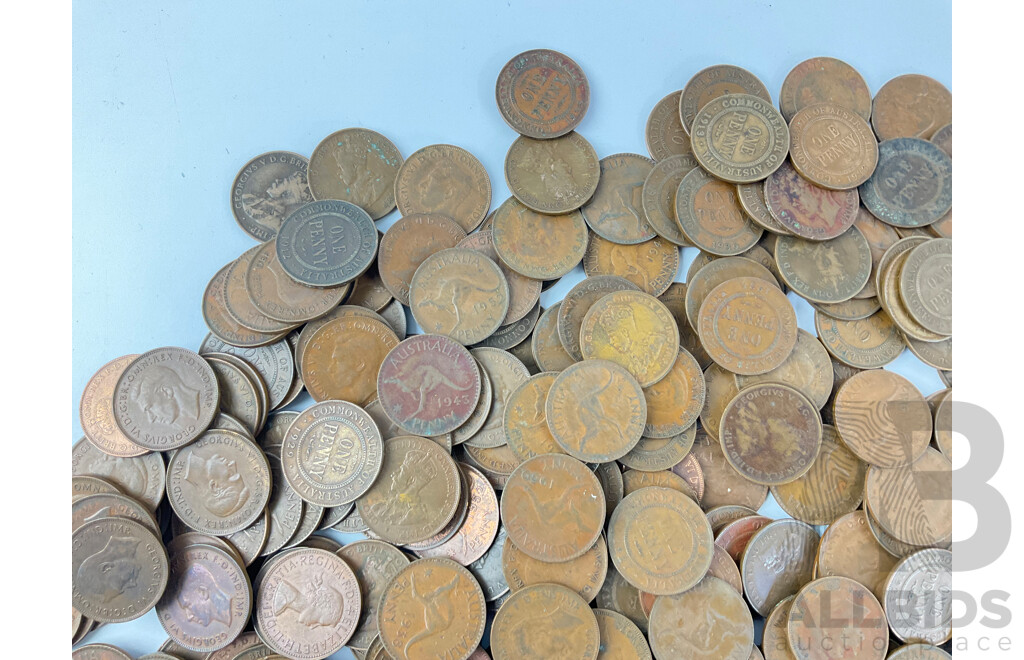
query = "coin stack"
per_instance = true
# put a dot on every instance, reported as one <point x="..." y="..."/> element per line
<point x="587" y="476"/>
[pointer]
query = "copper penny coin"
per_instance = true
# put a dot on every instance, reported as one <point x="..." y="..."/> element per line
<point x="106" y="505"/>
<point x="578" y="301"/>
<point x="207" y="600"/>
<point x="675" y="299"/>
<point x="709" y="213"/>
<point x="621" y="639"/>
<point x="891" y="298"/>
<point x="165" y="398"/>
<point x="722" y="516"/>
<point x="552" y="175"/>
<point x="721" y="389"/>
<point x="808" y="210"/>
<point x="919" y="652"/>
<point x="524" y="292"/>
<point x="545" y="621"/>
<point x="654" y="454"/>
<point x="680" y="624"/>
<point x="777" y="562"/>
<point x="251" y="541"/>
<point x="584" y="575"/>
<point x="341" y="311"/>
<point x="285" y="509"/>
<point x="220" y="483"/>
<point x="866" y="343"/>
<point x="99" y="652"/>
<point x="912" y="185"/>
<point x="83" y="486"/>
<point x="222" y="324"/>
<point x="849" y="549"/>
<point x="832" y="487"/>
<point x="724" y="567"/>
<point x="911" y="105"/>
<point x="542" y="94"/>
<point x="274" y="362"/>
<point x="96" y="411"/>
<point x="524" y="422"/>
<point x="652" y="265"/>
<point x="546" y="345"/>
<point x="615" y="212"/>
<point x="830" y="271"/>
<point x="659" y="196"/>
<point x="596" y="411"/>
<point x="308" y="604"/>
<point x="429" y="385"/>
<point x="883" y="418"/>
<point x="674" y="403"/>
<point x="477" y="420"/>
<point x="375" y="564"/>
<point x="141" y="478"/>
<point x="407" y="243"/>
<point x="701" y="283"/>
<point x="543" y="247"/>
<point x="734" y="536"/>
<point x="118" y="570"/>
<point x="724" y="485"/>
<point x="246" y="643"/>
<point x="477" y="532"/>
<point x="689" y="468"/>
<point x="824" y="80"/>
<point x="327" y="243"/>
<point x="634" y="480"/>
<point x="943" y="139"/>
<point x="342" y="359"/>
<point x="356" y="165"/>
<point x="620" y="596"/>
<point x="739" y="138"/>
<point x="267" y="190"/>
<point x="808" y="369"/>
<point x="553" y="508"/>
<point x="926" y="285"/>
<point x="273" y="292"/>
<point x="747" y="326"/>
<point x="751" y="196"/>
<point x="505" y="373"/>
<point x="849" y="310"/>
<point x="433" y="608"/>
<point x="775" y="641"/>
<point x="497" y="463"/>
<point x="443" y="179"/>
<point x="832" y="146"/>
<point x="712" y="82"/>
<point x="239" y="394"/>
<point x="880" y="237"/>
<point x="664" y="133"/>
<point x="912" y="502"/>
<point x="833" y="609"/>
<point x="918" y="597"/>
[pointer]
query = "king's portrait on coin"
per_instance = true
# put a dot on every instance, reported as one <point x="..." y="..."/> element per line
<point x="221" y="489"/>
<point x="108" y="573"/>
<point x="281" y="197"/>
<point x="164" y="397"/>
<point x="365" y="184"/>
<point x="202" y="599"/>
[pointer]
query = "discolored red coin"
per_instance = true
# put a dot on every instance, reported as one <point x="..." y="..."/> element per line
<point x="777" y="562"/>
<point x="808" y="210"/>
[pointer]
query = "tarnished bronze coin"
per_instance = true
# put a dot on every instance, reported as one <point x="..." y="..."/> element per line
<point x="240" y="395"/>
<point x="651" y="265"/>
<point x="207" y="600"/>
<point x="775" y="640"/>
<point x="849" y="310"/>
<point x="621" y="639"/>
<point x="674" y="403"/>
<point x="751" y="196"/>
<point x="267" y="190"/>
<point x="524" y="292"/>
<point x="584" y="575"/>
<point x="251" y="541"/>
<point x="808" y="369"/>
<point x="375" y="564"/>
<point x="615" y="212"/>
<point x="545" y="621"/>
<point x="675" y="299"/>
<point x="308" y="604"/>
<point x="368" y="290"/>
<point x="824" y="80"/>
<point x="327" y="243"/>
<point x="710" y="216"/>
<point x="653" y="454"/>
<point x="540" y="246"/>
<point x="890" y="297"/>
<point x="477" y="531"/>
<point x="247" y="646"/>
<point x="724" y="567"/>
<point x="620" y="596"/>
<point x="660" y="541"/>
<point x="505" y="373"/>
<point x="835" y="617"/>
<point x="777" y="562"/>
<point x="553" y="508"/>
<point x="864" y="343"/>
<point x="919" y="597"/>
<point x="722" y="516"/>
<point x="880" y="237"/>
<point x="596" y="411"/>
<point x="634" y="480"/>
<point x="274" y="362"/>
<point x="912" y="185"/>
<point x="222" y="324"/>
<point x="849" y="549"/>
<point x="724" y="485"/>
<point x="99" y="652"/>
<point x="552" y="175"/>
<point x="542" y="94"/>
<point x="356" y="165"/>
<point x="747" y="326"/>
<point x="883" y="418"/>
<point x="912" y="502"/>
<point x="578" y="301"/>
<point x="342" y="359"/>
<point x="220" y="483"/>
<point x="634" y="330"/>
<point x="943" y="139"/>
<point x="808" y="210"/>
<point x="118" y="570"/>
<point x="407" y="243"/>
<point x="721" y="389"/>
<point x="165" y="398"/>
<point x="739" y="138"/>
<point x="830" y="271"/>
<point x="689" y="468"/>
<point x="546" y="344"/>
<point x="734" y="536"/>
<point x="96" y="411"/>
<point x="659" y="196"/>
<point x="497" y="463"/>
<point x="277" y="295"/>
<point x="712" y="82"/>
<point x="832" y="146"/>
<point x="832" y="487"/>
<point x="141" y="478"/>
<point x="717" y="272"/>
<point x="710" y="621"/>
<point x="911" y="105"/>
<point x="664" y="133"/>
<point x="524" y="421"/>
<point x="926" y="285"/>
<point x="442" y="179"/>
<point x="429" y="385"/>
<point x="83" y="486"/>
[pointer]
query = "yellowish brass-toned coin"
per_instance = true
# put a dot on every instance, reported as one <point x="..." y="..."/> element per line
<point x="540" y="246"/>
<point x="651" y="266"/>
<point x="739" y="138"/>
<point x="343" y="357"/>
<point x="446" y="180"/>
<point x="709" y="213"/>
<point x="552" y="176"/>
<point x="674" y="403"/>
<point x="616" y="211"/>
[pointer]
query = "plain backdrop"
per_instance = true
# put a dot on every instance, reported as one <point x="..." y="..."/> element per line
<point x="171" y="99"/>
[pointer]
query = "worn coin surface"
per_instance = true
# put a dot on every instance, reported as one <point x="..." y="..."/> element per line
<point x="477" y="532"/>
<point x="832" y="146"/>
<point x="634" y="480"/>
<point x="553" y="175"/>
<point x="775" y="640"/>
<point x="447" y="180"/>
<point x="912" y="185"/>
<point x="806" y="209"/>
<point x="96" y="411"/>
<point x="751" y="196"/>
<point x="712" y="82"/>
<point x="407" y="243"/>
<point x="919" y="597"/>
<point x="866" y="343"/>
<point x="837" y="609"/>
<point x="545" y="621"/>
<point x="664" y="133"/>
<point x="880" y="237"/>
<point x="276" y="294"/>
<point x="375" y="564"/>
<point x="327" y="243"/>
<point x="832" y="487"/>
<point x="274" y="362"/>
<point x="356" y="165"/>
<point x="621" y="639"/>
<point x="546" y="344"/>
<point x="308" y="604"/>
<point x="542" y="94"/>
<point x="634" y="330"/>
<point x="654" y="454"/>
<point x="578" y="301"/>
<point x="118" y="570"/>
<point x="710" y="621"/>
<point x="140" y="477"/>
<point x="240" y="395"/>
<point x="165" y="398"/>
<point x="848" y="549"/>
<point x="343" y="357"/>
<point x="830" y="271"/>
<point x="709" y="213"/>
<point x="912" y="502"/>
<point x="739" y="138"/>
<point x="505" y="373"/>
<point x="911" y="105"/>
<point x="777" y="562"/>
<point x="615" y="212"/>
<point x="524" y="292"/>
<point x="651" y="265"/>
<point x="674" y="403"/>
<point x="808" y="369"/>
<point x="84" y="485"/>
<point x="659" y="196"/>
<point x="721" y="389"/>
<point x="724" y="485"/>
<point x="584" y="575"/>
<point x="106" y="505"/>
<point x="701" y="283"/>
<point x="926" y="285"/>
<point x="267" y="190"/>
<point x="620" y="596"/>
<point x="553" y="508"/>
<point x="524" y="422"/>
<point x="883" y="418"/>
<point x="824" y="80"/>
<point x="540" y="246"/>
<point x="222" y="324"/>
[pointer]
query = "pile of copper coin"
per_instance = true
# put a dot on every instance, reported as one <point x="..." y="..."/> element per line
<point x="582" y="480"/>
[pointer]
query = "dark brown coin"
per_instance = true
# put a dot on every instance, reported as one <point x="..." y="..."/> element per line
<point x="524" y="292"/>
<point x="912" y="502"/>
<point x="919" y="597"/>
<point x="849" y="549"/>
<point x="407" y="243"/>
<point x="912" y="185"/>
<point x="356" y="165"/>
<point x="375" y="564"/>
<point x="96" y="411"/>
<point x="807" y="210"/>
<point x="709" y="213"/>
<point x="832" y="487"/>
<point x="553" y="175"/>
<point x="830" y="271"/>
<point x="708" y="621"/>
<point x="429" y="385"/>
<point x="883" y="418"/>
<point x="584" y="575"/>
<point x="834" y="609"/>
<point x="267" y="190"/>
<point x="545" y="345"/>
<point x="911" y="105"/>
<point x="832" y="146"/>
<point x="222" y="324"/>
<point x="777" y="562"/>
<point x="659" y="196"/>
<point x="542" y="94"/>
<point x="165" y="398"/>
<point x="118" y="570"/>
<point x="616" y="212"/>
<point x="864" y="343"/>
<point x="442" y="179"/>
<point x="664" y="133"/>
<point x="543" y="247"/>
<point x="327" y="243"/>
<point x="713" y="82"/>
<point x="689" y="468"/>
<point x="824" y="80"/>
<point x="739" y="138"/>
<point x="141" y="478"/>
<point x="652" y="266"/>
<point x="578" y="301"/>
